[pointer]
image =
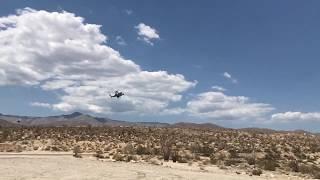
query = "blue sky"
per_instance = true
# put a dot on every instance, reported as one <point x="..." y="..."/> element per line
<point x="270" y="49"/>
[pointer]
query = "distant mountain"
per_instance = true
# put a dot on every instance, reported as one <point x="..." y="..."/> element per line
<point x="152" y="124"/>
<point x="270" y="131"/>
<point x="301" y="131"/>
<point x="78" y="119"/>
<point x="195" y="125"/>
<point x="259" y="130"/>
<point x="74" y="119"/>
<point x="4" y="123"/>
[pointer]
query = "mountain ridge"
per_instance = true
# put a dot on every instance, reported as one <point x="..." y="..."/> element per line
<point x="4" y="123"/>
<point x="76" y="119"/>
<point x="73" y="119"/>
<point x="80" y="119"/>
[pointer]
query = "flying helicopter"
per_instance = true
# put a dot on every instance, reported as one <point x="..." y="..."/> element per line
<point x="117" y="94"/>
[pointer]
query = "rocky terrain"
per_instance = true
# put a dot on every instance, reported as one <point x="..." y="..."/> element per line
<point x="243" y="151"/>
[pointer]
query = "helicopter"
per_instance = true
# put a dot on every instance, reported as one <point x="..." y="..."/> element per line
<point x="117" y="94"/>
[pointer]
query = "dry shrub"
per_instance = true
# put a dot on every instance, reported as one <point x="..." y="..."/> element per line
<point x="99" y="154"/>
<point x="206" y="151"/>
<point x="182" y="160"/>
<point x="181" y="157"/>
<point x="76" y="152"/>
<point x="166" y="146"/>
<point x="19" y="148"/>
<point x="141" y="150"/>
<point x="220" y="156"/>
<point x="213" y="159"/>
<point x="314" y="148"/>
<point x="131" y="158"/>
<point x="189" y="157"/>
<point x="118" y="157"/>
<point x="233" y="153"/>
<point x="206" y="162"/>
<point x="4" y="135"/>
<point x="55" y="148"/>
<point x="129" y="149"/>
<point x="293" y="165"/>
<point x="155" y="151"/>
<point x="267" y="164"/>
<point x="251" y="160"/>
<point x="230" y="162"/>
<point x="48" y="148"/>
<point x="256" y="172"/>
<point x="305" y="169"/>
<point x="316" y="175"/>
<point x="310" y="169"/>
<point x="175" y="156"/>
<point x="195" y="147"/>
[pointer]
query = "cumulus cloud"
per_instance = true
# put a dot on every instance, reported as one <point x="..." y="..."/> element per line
<point x="120" y="41"/>
<point x="39" y="104"/>
<point x="295" y="116"/>
<point x="58" y="51"/>
<point x="147" y="33"/>
<point x="228" y="76"/>
<point x="218" y="88"/>
<point x="217" y="105"/>
<point x="173" y="111"/>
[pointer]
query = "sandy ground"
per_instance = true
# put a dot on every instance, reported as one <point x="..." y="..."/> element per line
<point x="55" y="166"/>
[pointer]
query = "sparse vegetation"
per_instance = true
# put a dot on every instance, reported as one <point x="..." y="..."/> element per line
<point x="256" y="172"/>
<point x="226" y="148"/>
<point x="99" y="154"/>
<point x="76" y="152"/>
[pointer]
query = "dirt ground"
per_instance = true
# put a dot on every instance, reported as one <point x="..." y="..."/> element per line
<point x="53" y="166"/>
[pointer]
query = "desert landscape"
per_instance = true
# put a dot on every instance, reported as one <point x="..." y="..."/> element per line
<point x="175" y="151"/>
<point x="159" y="90"/>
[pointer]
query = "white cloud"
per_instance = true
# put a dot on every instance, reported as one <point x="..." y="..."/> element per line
<point x="218" y="88"/>
<point x="39" y="104"/>
<point x="58" y="84"/>
<point x="120" y="41"/>
<point x="228" y="76"/>
<point x="59" y="52"/>
<point x="173" y="111"/>
<point x="147" y="33"/>
<point x="128" y="11"/>
<point x="217" y="105"/>
<point x="295" y="116"/>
